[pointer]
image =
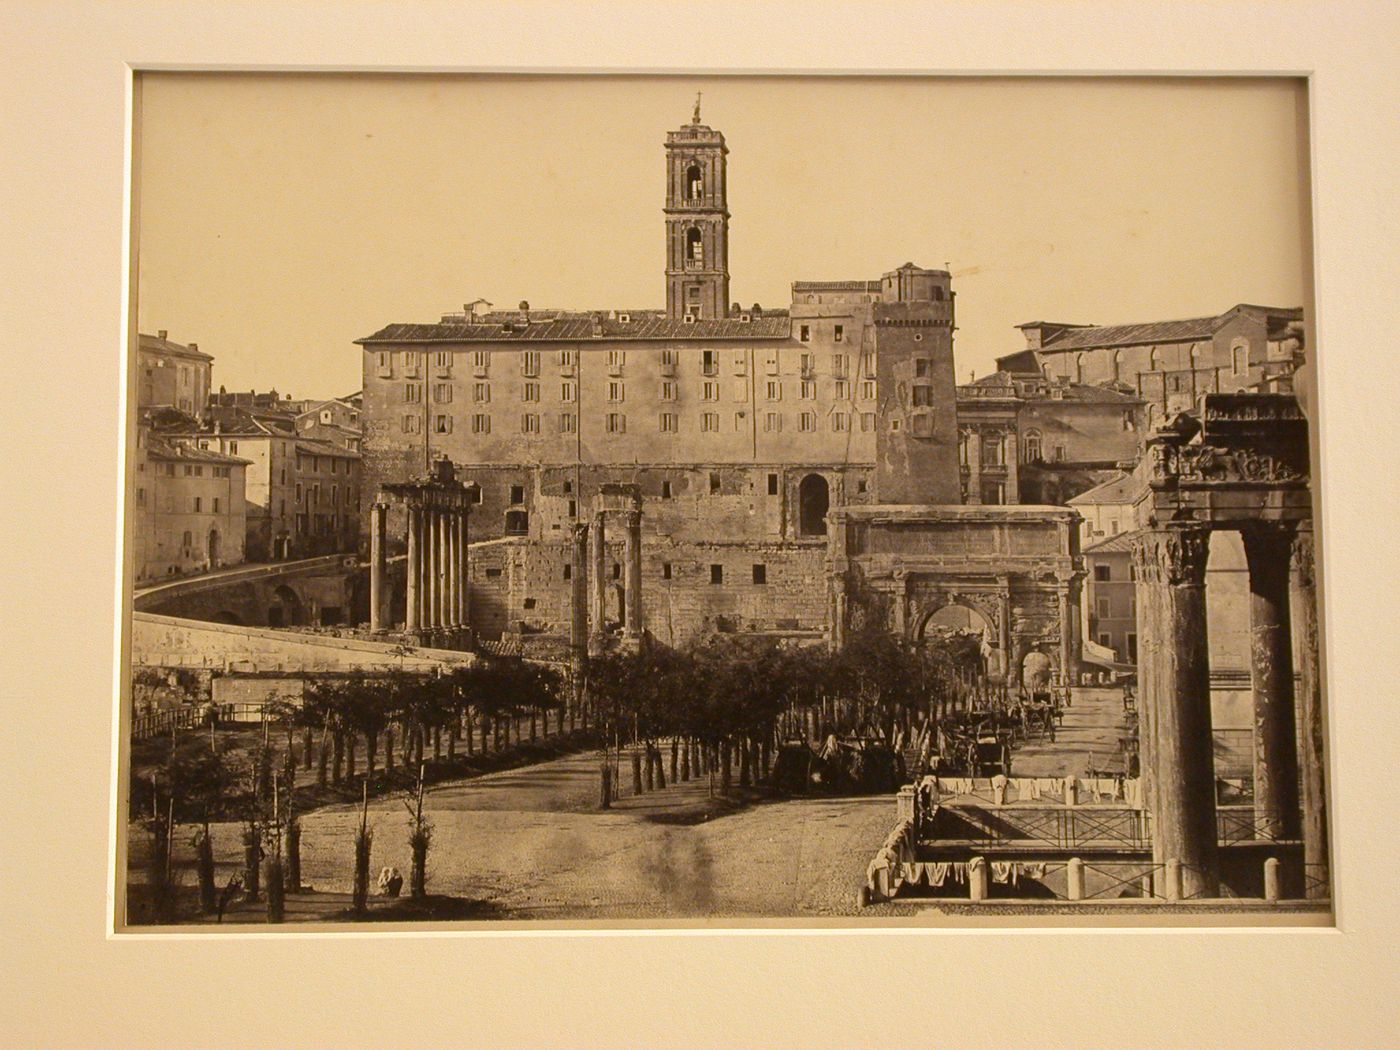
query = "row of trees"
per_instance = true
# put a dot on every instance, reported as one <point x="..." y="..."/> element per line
<point x="198" y="783"/>
<point x="734" y="696"/>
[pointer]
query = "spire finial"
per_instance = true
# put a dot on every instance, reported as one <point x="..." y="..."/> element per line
<point x="695" y="119"/>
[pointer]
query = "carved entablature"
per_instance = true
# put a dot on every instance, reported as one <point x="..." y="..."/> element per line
<point x="1171" y="555"/>
<point x="1209" y="464"/>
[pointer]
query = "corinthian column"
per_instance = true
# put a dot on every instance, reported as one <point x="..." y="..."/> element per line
<point x="413" y="571"/>
<point x="632" y="572"/>
<point x="599" y="612"/>
<point x="378" y="564"/>
<point x="1176" y="698"/>
<point x="1314" y="817"/>
<point x="1267" y="549"/>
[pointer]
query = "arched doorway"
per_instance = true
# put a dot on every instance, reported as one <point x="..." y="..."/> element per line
<point x="813" y="501"/>
<point x="213" y="548"/>
<point x="286" y="610"/>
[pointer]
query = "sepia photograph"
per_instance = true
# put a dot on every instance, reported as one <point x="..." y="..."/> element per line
<point x="716" y="501"/>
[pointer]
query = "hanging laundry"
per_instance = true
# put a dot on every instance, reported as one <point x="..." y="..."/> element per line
<point x="937" y="872"/>
<point x="1001" y="871"/>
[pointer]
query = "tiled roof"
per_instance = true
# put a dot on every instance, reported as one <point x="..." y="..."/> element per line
<point x="159" y="448"/>
<point x="1124" y="488"/>
<point x="1190" y="330"/>
<point x="158" y="345"/>
<point x="1120" y="544"/>
<point x="324" y="448"/>
<point x="581" y="329"/>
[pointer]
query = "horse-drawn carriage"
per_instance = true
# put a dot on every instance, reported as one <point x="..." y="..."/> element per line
<point x="849" y="765"/>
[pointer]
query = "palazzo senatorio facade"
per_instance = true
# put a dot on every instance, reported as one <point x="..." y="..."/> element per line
<point x="738" y="432"/>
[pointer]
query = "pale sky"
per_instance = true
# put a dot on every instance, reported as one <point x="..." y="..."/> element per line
<point x="284" y="216"/>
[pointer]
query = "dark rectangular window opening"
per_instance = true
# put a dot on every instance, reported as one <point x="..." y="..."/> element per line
<point x="716" y="573"/>
<point x="492" y="573"/>
<point x="772" y="484"/>
<point x="568" y="572"/>
<point x="1102" y="573"/>
<point x="517" y="493"/>
<point x="568" y="487"/>
<point x="760" y="574"/>
<point x="529" y="603"/>
<point x="666" y="570"/>
<point x="861" y="485"/>
<point x="665" y="490"/>
<point x="573" y="508"/>
<point x="617" y="571"/>
<point x="714" y="484"/>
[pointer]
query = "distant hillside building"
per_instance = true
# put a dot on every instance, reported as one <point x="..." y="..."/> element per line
<point x="188" y="513"/>
<point x="172" y="375"/>
<point x="1170" y="364"/>
<point x="1027" y="439"/>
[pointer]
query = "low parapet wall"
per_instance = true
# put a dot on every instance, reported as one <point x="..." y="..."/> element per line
<point x="169" y="641"/>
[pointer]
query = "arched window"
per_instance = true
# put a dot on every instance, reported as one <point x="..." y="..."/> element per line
<point x="1154" y="360"/>
<point x="1117" y="365"/>
<point x="1034" y="451"/>
<point x="694" y="183"/>
<point x="1239" y="359"/>
<point x="694" y="247"/>
<point x="962" y="449"/>
<point x="813" y="499"/>
<point x="1079" y="368"/>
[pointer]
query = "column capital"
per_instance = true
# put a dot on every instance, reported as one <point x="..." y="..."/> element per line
<point x="1268" y="544"/>
<point x="634" y="518"/>
<point x="580" y="531"/>
<point x="1175" y="554"/>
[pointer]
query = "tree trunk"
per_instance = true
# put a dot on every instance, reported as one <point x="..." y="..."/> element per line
<point x="276" y="890"/>
<point x="743" y="763"/>
<point x="337" y="757"/>
<point x="726" y="772"/>
<point x="437" y="743"/>
<point x="205" y="863"/>
<point x="636" y="772"/>
<point x="252" y="862"/>
<point x="534" y="717"/>
<point x="389" y="750"/>
<point x="323" y="763"/>
<point x="675" y="756"/>
<point x="371" y="753"/>
<point x="685" y="760"/>
<point x="605" y="784"/>
<point x="650" y="768"/>
<point x="306" y="744"/>
<point x="350" y="749"/>
<point x="660" y="769"/>
<point x="293" y="851"/>
<point x="471" y="732"/>
<point x="452" y="743"/>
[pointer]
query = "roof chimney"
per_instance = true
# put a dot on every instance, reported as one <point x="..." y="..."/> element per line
<point x="162" y="333"/>
<point x="194" y="346"/>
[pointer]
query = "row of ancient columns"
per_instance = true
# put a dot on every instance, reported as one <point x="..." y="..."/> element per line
<point x="589" y="604"/>
<point x="436" y="592"/>
<point x="1175" y="730"/>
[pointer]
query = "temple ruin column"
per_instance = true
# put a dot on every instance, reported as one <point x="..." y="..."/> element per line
<point x="452" y="576"/>
<point x="378" y="564"/>
<point x="462" y="619"/>
<point x="413" y="570"/>
<point x="578" y="591"/>
<point x="901" y="604"/>
<point x="1314" y="817"/>
<point x="1267" y="549"/>
<point x="632" y="572"/>
<point x="1066" y="632"/>
<point x="838" y="611"/>
<point x="598" y="613"/>
<point x="433" y="562"/>
<point x="1176" y="692"/>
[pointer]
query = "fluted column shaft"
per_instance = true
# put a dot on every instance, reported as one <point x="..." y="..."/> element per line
<point x="378" y="564"/>
<point x="633" y="574"/>
<point x="414" y="571"/>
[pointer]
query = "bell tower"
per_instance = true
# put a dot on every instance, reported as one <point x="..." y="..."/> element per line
<point x="697" y="222"/>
